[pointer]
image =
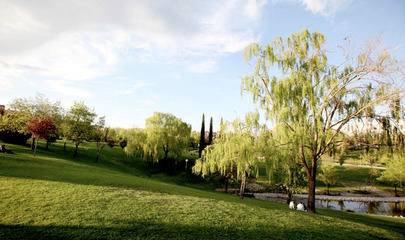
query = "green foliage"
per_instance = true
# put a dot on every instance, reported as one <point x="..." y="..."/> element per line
<point x="282" y="166"/>
<point x="328" y="175"/>
<point x="235" y="152"/>
<point x="311" y="99"/>
<point x="136" y="138"/>
<point x="15" y="121"/>
<point x="53" y="197"/>
<point x="80" y="123"/>
<point x="39" y="107"/>
<point x="165" y="134"/>
<point x="395" y="170"/>
<point x="100" y="136"/>
<point x="13" y="127"/>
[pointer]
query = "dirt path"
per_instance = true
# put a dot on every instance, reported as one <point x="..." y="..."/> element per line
<point x="358" y="165"/>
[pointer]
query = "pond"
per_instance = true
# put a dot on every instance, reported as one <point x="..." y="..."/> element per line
<point x="379" y="208"/>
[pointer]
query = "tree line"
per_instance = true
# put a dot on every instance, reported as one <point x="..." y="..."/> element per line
<point x="307" y="100"/>
<point x="38" y="118"/>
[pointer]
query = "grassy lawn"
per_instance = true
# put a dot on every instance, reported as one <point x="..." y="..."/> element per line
<point x="53" y="196"/>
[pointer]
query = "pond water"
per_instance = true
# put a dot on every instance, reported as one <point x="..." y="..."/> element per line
<point x="379" y="208"/>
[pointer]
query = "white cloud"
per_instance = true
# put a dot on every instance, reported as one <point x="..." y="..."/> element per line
<point x="66" y="88"/>
<point x="325" y="7"/>
<point x="203" y="67"/>
<point x="72" y="41"/>
<point x="252" y="7"/>
<point x="136" y="87"/>
<point x="5" y="85"/>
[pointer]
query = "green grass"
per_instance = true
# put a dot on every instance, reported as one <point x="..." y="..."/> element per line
<point x="53" y="196"/>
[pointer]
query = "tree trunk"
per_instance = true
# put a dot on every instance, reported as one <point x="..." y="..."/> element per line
<point x="75" y="152"/>
<point x="97" y="157"/>
<point x="33" y="143"/>
<point x="328" y="189"/>
<point x="289" y="196"/>
<point x="312" y="183"/>
<point x="396" y="193"/>
<point x="35" y="148"/>
<point x="47" y="145"/>
<point x="242" y="186"/>
<point x="226" y="185"/>
<point x="64" y="145"/>
<point x="311" y="192"/>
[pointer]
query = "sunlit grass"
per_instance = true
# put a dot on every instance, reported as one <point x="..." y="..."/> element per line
<point x="54" y="196"/>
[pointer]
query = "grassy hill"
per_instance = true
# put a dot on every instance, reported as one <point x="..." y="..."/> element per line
<point x="53" y="196"/>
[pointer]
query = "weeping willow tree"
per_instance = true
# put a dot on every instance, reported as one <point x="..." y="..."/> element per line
<point x="281" y="163"/>
<point x="165" y="133"/>
<point x="293" y="82"/>
<point x="136" y="138"/>
<point x="234" y="151"/>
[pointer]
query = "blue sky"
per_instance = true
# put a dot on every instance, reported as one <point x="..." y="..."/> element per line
<point x="127" y="59"/>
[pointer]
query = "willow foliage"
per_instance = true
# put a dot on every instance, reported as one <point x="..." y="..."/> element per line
<point x="235" y="151"/>
<point x="165" y="133"/>
<point x="293" y="82"/>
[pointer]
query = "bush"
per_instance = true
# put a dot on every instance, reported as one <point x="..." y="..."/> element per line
<point x="14" y="137"/>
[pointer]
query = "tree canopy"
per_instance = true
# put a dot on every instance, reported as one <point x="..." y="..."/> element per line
<point x="165" y="134"/>
<point x="311" y="99"/>
<point x="80" y="122"/>
<point x="234" y="151"/>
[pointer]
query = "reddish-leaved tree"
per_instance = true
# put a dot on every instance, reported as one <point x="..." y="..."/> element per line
<point x="41" y="129"/>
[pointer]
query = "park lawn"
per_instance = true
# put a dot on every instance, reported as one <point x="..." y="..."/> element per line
<point x="53" y="196"/>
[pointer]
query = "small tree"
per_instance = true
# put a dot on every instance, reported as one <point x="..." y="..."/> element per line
<point x="64" y="131"/>
<point x="41" y="129"/>
<point x="328" y="176"/>
<point x="100" y="135"/>
<point x="234" y="151"/>
<point x="166" y="134"/>
<point x="395" y="171"/>
<point x="80" y="123"/>
<point x="39" y="107"/>
<point x="136" y="139"/>
<point x="13" y="127"/>
<point x="202" y="137"/>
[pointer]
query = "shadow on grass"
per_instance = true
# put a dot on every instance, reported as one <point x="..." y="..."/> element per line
<point x="151" y="230"/>
<point x="390" y="224"/>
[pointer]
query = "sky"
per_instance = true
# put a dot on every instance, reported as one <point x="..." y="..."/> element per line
<point x="128" y="59"/>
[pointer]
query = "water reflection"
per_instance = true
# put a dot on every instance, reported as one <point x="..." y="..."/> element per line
<point x="379" y="208"/>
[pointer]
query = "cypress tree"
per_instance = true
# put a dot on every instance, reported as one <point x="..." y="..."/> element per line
<point x="210" y="134"/>
<point x="202" y="137"/>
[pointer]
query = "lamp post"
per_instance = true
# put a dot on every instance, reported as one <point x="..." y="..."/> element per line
<point x="186" y="163"/>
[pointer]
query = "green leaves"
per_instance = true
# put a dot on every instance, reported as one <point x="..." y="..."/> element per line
<point x="79" y="122"/>
<point x="165" y="134"/>
<point x="235" y="151"/>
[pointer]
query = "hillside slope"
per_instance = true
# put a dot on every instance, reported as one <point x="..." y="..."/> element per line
<point x="53" y="196"/>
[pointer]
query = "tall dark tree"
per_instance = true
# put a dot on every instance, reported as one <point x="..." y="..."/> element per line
<point x="210" y="134"/>
<point x="202" y="137"/>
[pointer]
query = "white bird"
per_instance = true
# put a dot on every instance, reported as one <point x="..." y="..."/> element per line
<point x="292" y="205"/>
<point x="301" y="206"/>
